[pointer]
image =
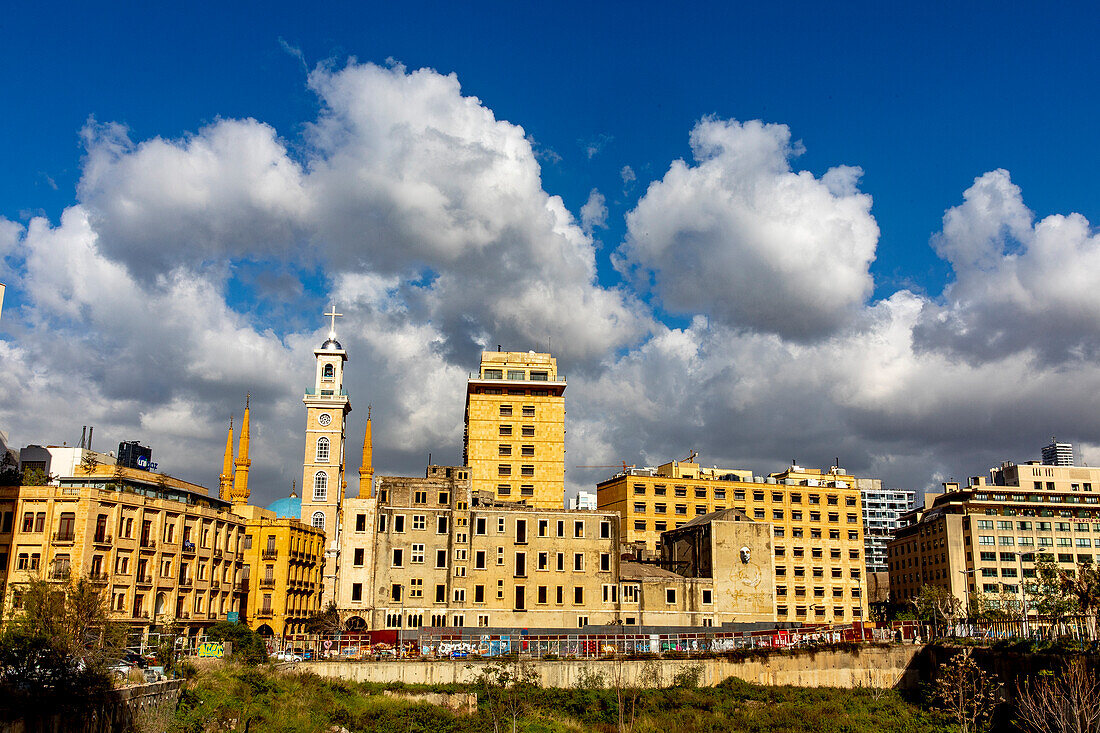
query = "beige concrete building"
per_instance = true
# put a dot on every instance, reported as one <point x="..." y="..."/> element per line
<point x="514" y="441"/>
<point x="164" y="550"/>
<point x="981" y="541"/>
<point x="816" y="518"/>
<point x="432" y="552"/>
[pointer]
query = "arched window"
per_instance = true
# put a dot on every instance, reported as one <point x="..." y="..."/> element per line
<point x="322" y="450"/>
<point x="319" y="520"/>
<point x="320" y="486"/>
<point x="329" y="373"/>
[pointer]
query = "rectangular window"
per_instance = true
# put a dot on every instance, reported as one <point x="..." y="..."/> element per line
<point x="441" y="524"/>
<point x="670" y="595"/>
<point x="440" y="593"/>
<point x="479" y="594"/>
<point x="544" y="561"/>
<point x="417" y="554"/>
<point x="358" y="557"/>
<point x="578" y="561"/>
<point x="398" y="557"/>
<point x="505" y="430"/>
<point x="505" y="410"/>
<point x="479" y="559"/>
<point x="578" y="595"/>
<point x="479" y="526"/>
<point x="440" y="558"/>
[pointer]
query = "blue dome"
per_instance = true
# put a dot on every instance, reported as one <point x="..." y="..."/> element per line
<point x="289" y="506"/>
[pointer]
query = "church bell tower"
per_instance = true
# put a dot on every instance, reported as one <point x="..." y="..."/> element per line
<point x="327" y="408"/>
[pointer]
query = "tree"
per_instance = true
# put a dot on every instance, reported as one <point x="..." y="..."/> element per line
<point x="935" y="603"/>
<point x="1049" y="595"/>
<point x="966" y="692"/>
<point x="74" y="616"/>
<point x="55" y="649"/>
<point x="248" y="646"/>
<point x="89" y="463"/>
<point x="507" y="687"/>
<point x="1084" y="586"/>
<point x="326" y="622"/>
<point x="9" y="469"/>
<point x="1065" y="703"/>
<point x="36" y="477"/>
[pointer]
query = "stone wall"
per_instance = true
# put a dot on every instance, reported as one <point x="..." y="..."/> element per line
<point x="139" y="708"/>
<point x="868" y="666"/>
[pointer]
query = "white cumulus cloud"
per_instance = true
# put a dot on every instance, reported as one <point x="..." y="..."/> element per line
<point x="742" y="237"/>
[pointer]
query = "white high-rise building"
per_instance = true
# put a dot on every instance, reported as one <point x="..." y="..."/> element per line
<point x="583" y="500"/>
<point x="1058" y="454"/>
<point x="881" y="509"/>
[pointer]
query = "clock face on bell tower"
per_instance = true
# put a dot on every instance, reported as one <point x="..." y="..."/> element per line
<point x="327" y="407"/>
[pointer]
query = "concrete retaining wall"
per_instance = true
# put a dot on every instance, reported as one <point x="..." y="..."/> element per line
<point x="137" y="708"/>
<point x="885" y="667"/>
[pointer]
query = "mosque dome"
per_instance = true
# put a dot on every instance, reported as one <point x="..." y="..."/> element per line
<point x="288" y="506"/>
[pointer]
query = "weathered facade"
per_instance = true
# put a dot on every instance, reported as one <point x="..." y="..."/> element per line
<point x="164" y="550"/>
<point x="432" y="552"/>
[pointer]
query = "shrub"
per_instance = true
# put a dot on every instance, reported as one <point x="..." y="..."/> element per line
<point x="248" y="646"/>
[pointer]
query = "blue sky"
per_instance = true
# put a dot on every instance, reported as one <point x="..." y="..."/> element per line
<point x="924" y="100"/>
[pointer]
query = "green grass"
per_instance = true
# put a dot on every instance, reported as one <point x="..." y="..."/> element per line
<point x="217" y="699"/>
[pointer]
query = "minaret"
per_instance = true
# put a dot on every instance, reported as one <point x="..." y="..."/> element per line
<point x="366" y="468"/>
<point x="239" y="494"/>
<point x="225" y="481"/>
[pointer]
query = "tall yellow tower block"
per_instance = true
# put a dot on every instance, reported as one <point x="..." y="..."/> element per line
<point x="514" y="442"/>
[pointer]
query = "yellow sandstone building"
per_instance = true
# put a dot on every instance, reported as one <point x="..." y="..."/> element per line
<point x="816" y="518"/>
<point x="164" y="551"/>
<point x="514" y="441"/>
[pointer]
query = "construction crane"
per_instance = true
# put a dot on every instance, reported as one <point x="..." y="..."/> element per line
<point x="623" y="466"/>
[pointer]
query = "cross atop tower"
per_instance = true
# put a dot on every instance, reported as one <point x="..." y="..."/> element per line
<point x="333" y="315"/>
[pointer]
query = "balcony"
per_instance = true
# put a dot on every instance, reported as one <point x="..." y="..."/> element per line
<point x="147" y="544"/>
<point x="63" y="537"/>
<point x="241" y="587"/>
<point x="59" y="574"/>
<point x="325" y="393"/>
<point x="267" y="583"/>
<point x="269" y="554"/>
<point x="183" y="614"/>
<point x="217" y="553"/>
<point x="144" y="580"/>
<point x="188" y="547"/>
<point x="215" y="584"/>
<point x="99" y="577"/>
<point x="265" y="613"/>
<point x="185" y="582"/>
<point x="101" y="539"/>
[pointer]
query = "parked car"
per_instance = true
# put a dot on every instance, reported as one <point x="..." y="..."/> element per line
<point x="286" y="657"/>
<point x="134" y="659"/>
<point x="121" y="668"/>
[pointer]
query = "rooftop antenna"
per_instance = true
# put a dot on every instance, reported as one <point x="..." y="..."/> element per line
<point x="83" y="434"/>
